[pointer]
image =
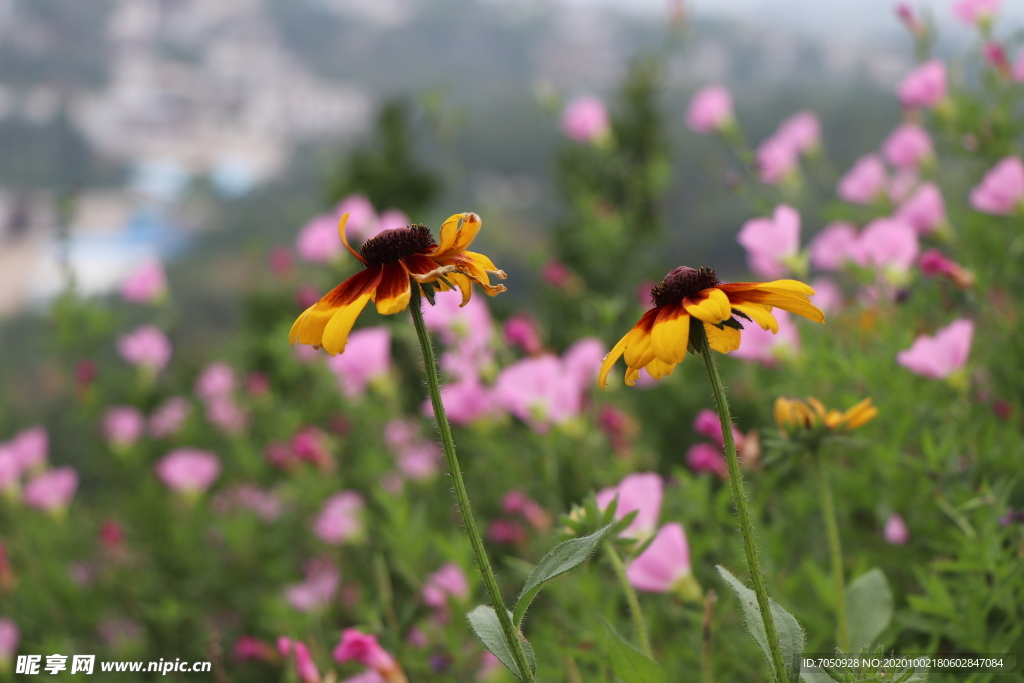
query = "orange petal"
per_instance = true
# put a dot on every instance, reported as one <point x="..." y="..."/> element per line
<point x="394" y="290"/>
<point x="310" y="327"/>
<point x="341" y="231"/>
<point x="710" y="305"/>
<point x="670" y="335"/>
<point x="722" y="340"/>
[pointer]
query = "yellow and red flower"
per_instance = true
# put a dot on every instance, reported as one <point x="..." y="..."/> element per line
<point x="392" y="261"/>
<point x="686" y="296"/>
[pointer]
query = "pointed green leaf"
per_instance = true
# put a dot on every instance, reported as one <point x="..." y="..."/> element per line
<point x="627" y="663"/>
<point x="791" y="634"/>
<point x="487" y="628"/>
<point x="869" y="608"/>
<point x="564" y="557"/>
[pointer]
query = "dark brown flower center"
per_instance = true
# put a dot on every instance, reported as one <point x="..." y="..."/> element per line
<point x="396" y="243"/>
<point x="682" y="282"/>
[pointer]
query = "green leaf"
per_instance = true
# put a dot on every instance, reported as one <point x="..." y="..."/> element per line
<point x="627" y="663"/>
<point x="791" y="634"/>
<point x="564" y="557"/>
<point x="869" y="608"/>
<point x="487" y="628"/>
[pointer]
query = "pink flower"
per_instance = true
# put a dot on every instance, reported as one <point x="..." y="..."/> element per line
<point x="776" y="159"/>
<point x="521" y="331"/>
<point x="146" y="347"/>
<point x="995" y="55"/>
<point x="707" y="424"/>
<point x="802" y="131"/>
<point x="763" y="346"/>
<point x="249" y="647"/>
<point x="31" y="447"/>
<point x="827" y="295"/>
<point x="454" y="322"/>
<point x="641" y="492"/>
<point x="341" y="519"/>
<point x="558" y="275"/>
<point x="216" y="381"/>
<point x="518" y="503"/>
<point x="506" y="531"/>
<point x="771" y="243"/>
<point x="582" y="360"/>
<point x="359" y="647"/>
<point x="147" y="283"/>
<point x="924" y="210"/>
<point x="123" y="426"/>
<point x="896" y="531"/>
<point x="540" y="391"/>
<point x="169" y="417"/>
<point x="913" y="24"/>
<point x="52" y="491"/>
<point x="448" y="581"/>
<point x="907" y="146"/>
<point x="939" y="356"/>
<point x="710" y="110"/>
<point x="365" y="677"/>
<point x="318" y="241"/>
<point x="362" y="217"/>
<point x="280" y="261"/>
<point x="313" y="446"/>
<point x="832" y="247"/>
<point x="865" y="182"/>
<point x="188" y="470"/>
<point x="1001" y="191"/>
<point x="703" y="457"/>
<point x="1018" y="67"/>
<point x="10" y="469"/>
<point x="304" y="664"/>
<point x="420" y="461"/>
<point x="10" y="637"/>
<point x="665" y="565"/>
<point x="925" y="86"/>
<point x="978" y="12"/>
<point x="932" y="262"/>
<point x="888" y="244"/>
<point x="465" y="401"/>
<point x="319" y="588"/>
<point x="367" y="357"/>
<point x="227" y="415"/>
<point x="585" y="120"/>
<point x="391" y="219"/>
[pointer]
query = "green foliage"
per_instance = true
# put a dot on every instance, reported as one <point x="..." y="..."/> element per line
<point x="486" y="627"/>
<point x="627" y="663"/>
<point x="869" y="607"/>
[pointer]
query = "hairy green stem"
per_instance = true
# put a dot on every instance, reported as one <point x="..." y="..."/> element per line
<point x="634" y="605"/>
<point x="832" y="532"/>
<point x="459" y="486"/>
<point x="700" y="342"/>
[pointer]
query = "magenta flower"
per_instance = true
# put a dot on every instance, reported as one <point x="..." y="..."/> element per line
<point x="710" y="109"/>
<point x="147" y="347"/>
<point x="367" y="677"/>
<point x="865" y="182"/>
<point x="776" y="159"/>
<point x="518" y="503"/>
<point x="833" y="246"/>
<point x="641" y="492"/>
<point x="188" y="470"/>
<point x="250" y="647"/>
<point x="768" y="348"/>
<point x="802" y="132"/>
<point x="925" y="86"/>
<point x="708" y="425"/>
<point x="773" y="243"/>
<point x="362" y="217"/>
<point x="521" y="331"/>
<point x="932" y="262"/>
<point x="313" y="446"/>
<point x="123" y="426"/>
<point x="168" y="419"/>
<point x="908" y="146"/>
<point x="304" y="664"/>
<point x="1001" y="191"/>
<point x="146" y="284"/>
<point x="356" y="646"/>
<point x="539" y="391"/>
<point x="585" y="120"/>
<point x="52" y="491"/>
<point x="366" y="358"/>
<point x="447" y="582"/>
<point x="924" y="210"/>
<point x="10" y="637"/>
<point x="704" y="457"/>
<point x="341" y="519"/>
<point x="318" y="589"/>
<point x="31" y="447"/>
<point x="896" y="531"/>
<point x="217" y="380"/>
<point x="976" y="12"/>
<point x="665" y="565"/>
<point x="889" y="245"/>
<point x="318" y="241"/>
<point x="941" y="355"/>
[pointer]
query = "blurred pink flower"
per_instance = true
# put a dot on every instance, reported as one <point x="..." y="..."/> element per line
<point x="518" y="503"/>
<point x="318" y="589"/>
<point x="995" y="55"/>
<point x="932" y="262"/>
<point x="312" y="445"/>
<point x="665" y="565"/>
<point x="455" y="323"/>
<point x="250" y="647"/>
<point x="896" y="531"/>
<point x="391" y="219"/>
<point x="257" y="384"/>
<point x="363" y="648"/>
<point x="802" y="131"/>
<point x="318" y="241"/>
<point x="771" y="242"/>
<point x="365" y="677"/>
<point x="31" y="447"/>
<point x="10" y="638"/>
<point x="642" y="492"/>
<point x="913" y="24"/>
<point x="447" y="582"/>
<point x="304" y="665"/>
<point x="939" y="356"/>
<point x="265" y="504"/>
<point x="466" y="401"/>
<point x="362" y="220"/>
<point x="146" y="284"/>
<point x="123" y="426"/>
<point x="776" y="159"/>
<point x="827" y="295"/>
<point x="217" y="380"/>
<point x="706" y="423"/>
<point x="888" y="244"/>
<point x="976" y="11"/>
<point x="188" y="470"/>
<point x="167" y="419"/>
<point x="420" y="461"/>
<point x="865" y="182"/>
<point x="146" y="347"/>
<point x="539" y="391"/>
<point x="925" y="86"/>
<point x="583" y="359"/>
<point x="585" y="119"/>
<point x="341" y="519"/>
<point x="10" y="469"/>
<point x="558" y="275"/>
<point x="765" y="347"/>
<point x="925" y="210"/>
<point x="1018" y="67"/>
<point x="710" y="109"/>
<point x="1001" y="191"/>
<point x="506" y="531"/>
<point x="280" y="261"/>
<point x="53" y="490"/>
<point x="226" y="415"/>
<point x="521" y="331"/>
<point x="367" y="357"/>
<point x="832" y="247"/>
<point x="284" y="646"/>
<point x="908" y="146"/>
<point x="704" y="457"/>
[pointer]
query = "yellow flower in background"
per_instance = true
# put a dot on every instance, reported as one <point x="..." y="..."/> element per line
<point x="660" y="339"/>
<point x="392" y="260"/>
<point x="792" y="414"/>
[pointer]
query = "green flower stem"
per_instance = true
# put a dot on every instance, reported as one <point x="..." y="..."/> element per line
<point x="459" y="486"/>
<point x="832" y="532"/>
<point x="634" y="605"/>
<point x="700" y="341"/>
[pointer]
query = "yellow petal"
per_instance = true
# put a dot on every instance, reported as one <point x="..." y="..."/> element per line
<point x="310" y="326"/>
<point x="722" y="340"/>
<point x="468" y="231"/>
<point x="709" y="305"/>
<point x="394" y="290"/>
<point x="658" y="369"/>
<point x="783" y="413"/>
<point x="341" y="231"/>
<point x="800" y="305"/>
<point x="449" y="231"/>
<point x="638" y="351"/>
<point x="609" y="361"/>
<point x="760" y="314"/>
<point x="786" y="286"/>
<point x="671" y="334"/>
